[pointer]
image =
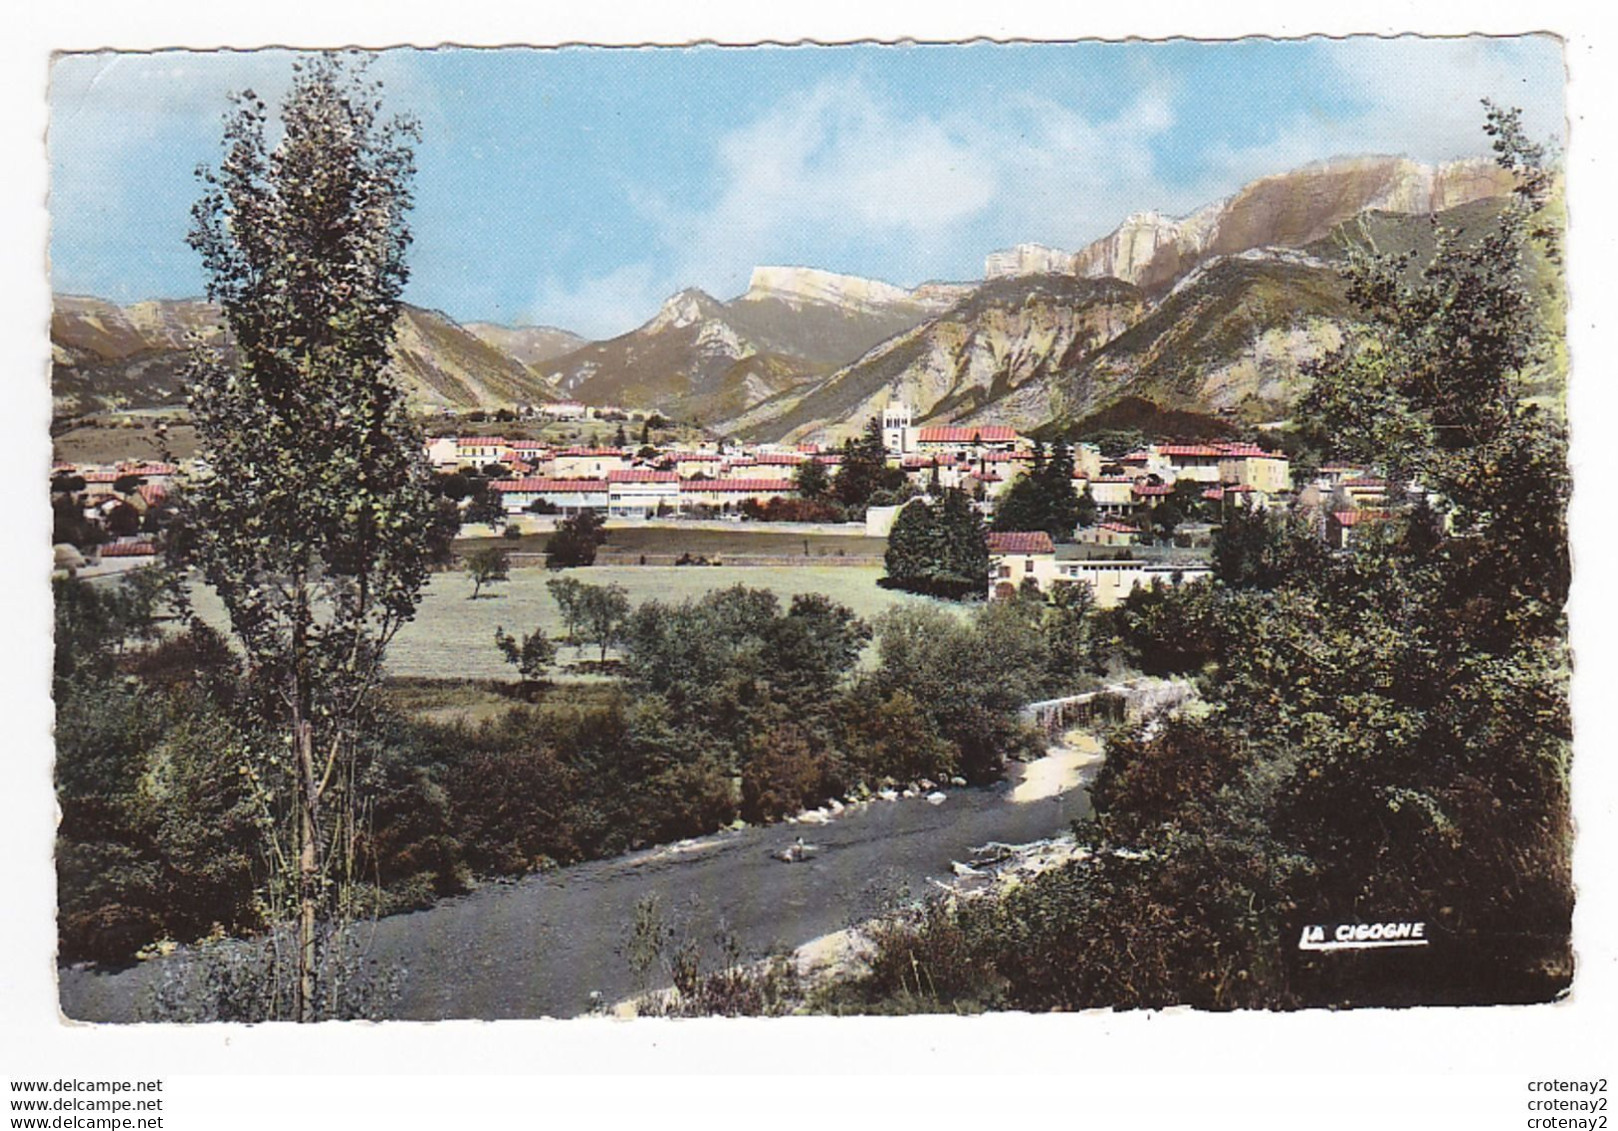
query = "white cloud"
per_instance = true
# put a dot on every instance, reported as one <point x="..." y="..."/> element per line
<point x="833" y="160"/>
<point x="1414" y="97"/>
<point x="602" y="306"/>
<point x="838" y="166"/>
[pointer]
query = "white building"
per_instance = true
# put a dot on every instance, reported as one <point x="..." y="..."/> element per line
<point x="641" y="493"/>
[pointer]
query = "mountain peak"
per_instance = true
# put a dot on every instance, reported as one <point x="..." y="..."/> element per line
<point x="683" y="308"/>
<point x="811" y="284"/>
<point x="1288" y="209"/>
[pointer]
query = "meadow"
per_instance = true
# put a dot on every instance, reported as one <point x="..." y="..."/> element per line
<point x="453" y="636"/>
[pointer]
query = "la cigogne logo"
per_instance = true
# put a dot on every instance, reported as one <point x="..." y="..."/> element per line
<point x="1363" y="936"/>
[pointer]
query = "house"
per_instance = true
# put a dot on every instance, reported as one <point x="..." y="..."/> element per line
<point x="567" y="496"/>
<point x="475" y="451"/>
<point x="443" y="452"/>
<point x="764" y="465"/>
<point x="1365" y="490"/>
<point x="639" y="492"/>
<point x="1343" y="525"/>
<point x="687" y="465"/>
<point x="563" y="410"/>
<point x="970" y="439"/>
<point x="1197" y="462"/>
<point x="1248" y="465"/>
<point x="1114" y="495"/>
<point x="1016" y="556"/>
<point x="730" y="494"/>
<point x="595" y="463"/>
<point x="1111" y="579"/>
<point x="529" y="453"/>
<point x="1108" y="534"/>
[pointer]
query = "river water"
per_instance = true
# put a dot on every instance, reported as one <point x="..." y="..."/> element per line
<point x="540" y="946"/>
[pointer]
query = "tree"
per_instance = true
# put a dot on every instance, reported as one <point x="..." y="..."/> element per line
<point x="1166" y="517"/>
<point x="939" y="548"/>
<point x="487" y="566"/>
<point x="313" y="522"/>
<point x="1043" y="499"/>
<point x="575" y="540"/>
<point x="603" y="610"/>
<point x="535" y="654"/>
<point x="864" y="470"/>
<point x="565" y="592"/>
<point x="485" y="505"/>
<point x="1086" y="508"/>
<point x="812" y="481"/>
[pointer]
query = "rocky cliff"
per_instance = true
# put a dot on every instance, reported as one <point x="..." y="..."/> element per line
<point x="1286" y="210"/>
<point x="995" y="341"/>
<point x="702" y="359"/>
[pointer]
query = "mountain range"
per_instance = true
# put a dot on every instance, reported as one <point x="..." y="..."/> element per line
<point x="1216" y="313"/>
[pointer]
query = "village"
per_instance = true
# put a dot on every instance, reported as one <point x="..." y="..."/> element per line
<point x="1149" y="513"/>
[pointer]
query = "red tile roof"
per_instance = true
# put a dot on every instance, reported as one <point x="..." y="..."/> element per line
<point x="1021" y="542"/>
<point x="129" y="550"/>
<point x="641" y="475"/>
<point x="551" y="486"/>
<point x="737" y="485"/>
<point x="480" y="442"/>
<point x="599" y="452"/>
<point x="1248" y="449"/>
<point x="1189" y="450"/>
<point x="1153" y="490"/>
<point x="1120" y="528"/>
<point x="966" y="434"/>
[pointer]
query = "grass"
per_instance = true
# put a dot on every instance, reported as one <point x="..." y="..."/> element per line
<point x="472" y="701"/>
<point x="104" y="442"/>
<point x="454" y="637"/>
<point x="746" y="538"/>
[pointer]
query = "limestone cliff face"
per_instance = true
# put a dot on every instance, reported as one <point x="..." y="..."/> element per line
<point x="1004" y="336"/>
<point x="1028" y="259"/>
<point x="1286" y="210"/>
<point x="810" y="285"/>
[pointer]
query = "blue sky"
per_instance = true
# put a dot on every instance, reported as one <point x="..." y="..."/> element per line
<point x="579" y="187"/>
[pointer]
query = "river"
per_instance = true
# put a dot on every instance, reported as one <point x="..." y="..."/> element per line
<point x="539" y="947"/>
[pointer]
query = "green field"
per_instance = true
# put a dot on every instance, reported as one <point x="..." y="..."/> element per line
<point x="745" y="538"/>
<point x="105" y="442"/>
<point x="453" y="636"/>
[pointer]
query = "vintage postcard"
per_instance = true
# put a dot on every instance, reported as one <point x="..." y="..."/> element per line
<point x="780" y="530"/>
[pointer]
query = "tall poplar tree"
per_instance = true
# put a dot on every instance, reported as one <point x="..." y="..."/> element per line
<point x="312" y="520"/>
